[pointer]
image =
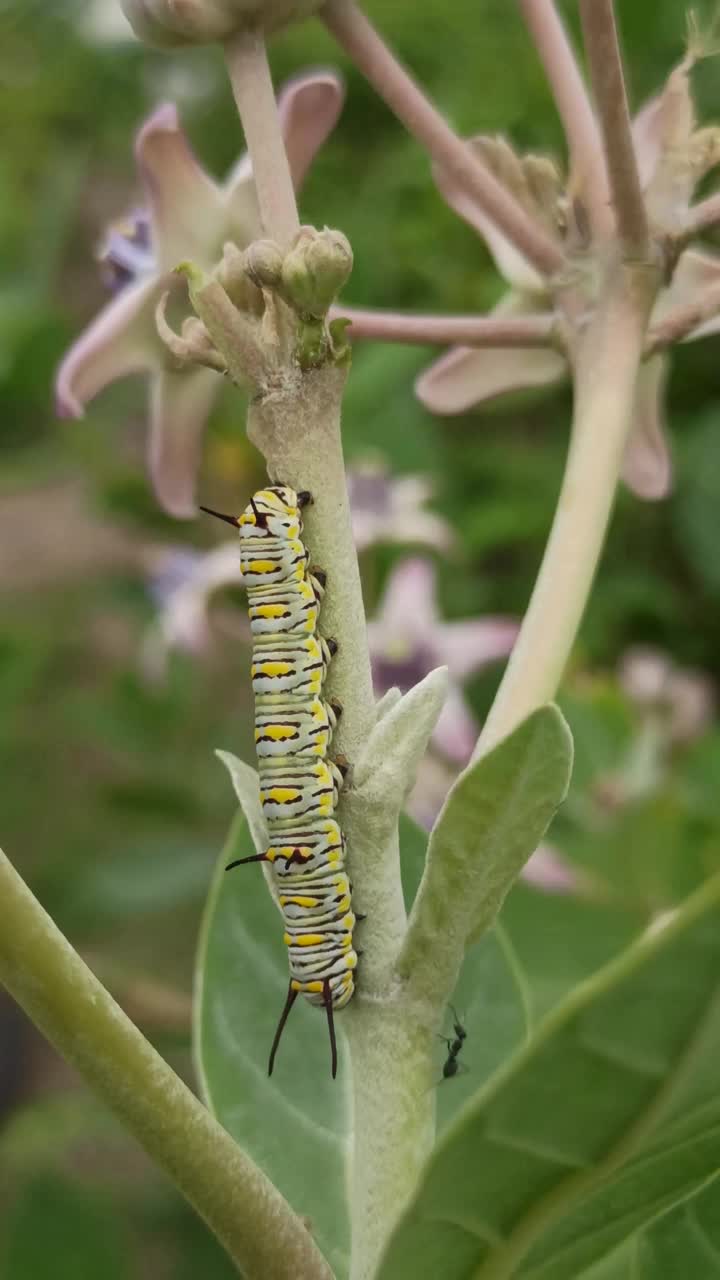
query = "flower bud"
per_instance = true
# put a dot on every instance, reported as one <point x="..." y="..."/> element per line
<point x="263" y="263"/>
<point x="168" y="23"/>
<point x="235" y="279"/>
<point x="315" y="269"/>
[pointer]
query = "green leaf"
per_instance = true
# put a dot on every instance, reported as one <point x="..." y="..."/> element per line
<point x="493" y="819"/>
<point x="609" y="1115"/>
<point x="294" y="1123"/>
<point x="684" y="1242"/>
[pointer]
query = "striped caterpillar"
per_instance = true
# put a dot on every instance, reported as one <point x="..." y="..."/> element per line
<point x="299" y="786"/>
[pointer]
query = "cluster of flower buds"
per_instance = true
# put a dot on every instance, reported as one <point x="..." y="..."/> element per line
<point x="169" y="23"/>
<point x="262" y="309"/>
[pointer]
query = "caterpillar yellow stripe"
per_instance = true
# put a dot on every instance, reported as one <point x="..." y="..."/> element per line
<point x="299" y="785"/>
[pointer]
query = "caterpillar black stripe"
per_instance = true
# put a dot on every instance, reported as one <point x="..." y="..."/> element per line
<point x="293" y="727"/>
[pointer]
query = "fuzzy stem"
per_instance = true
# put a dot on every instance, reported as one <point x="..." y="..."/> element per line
<point x="608" y="81"/>
<point x="65" y="1000"/>
<point x="297" y="428"/>
<point x="574" y="109"/>
<point x="606" y="373"/>
<point x="252" y="87"/>
<point x="472" y="331"/>
<point x="681" y="320"/>
<point x="702" y="217"/>
<point x="361" y="41"/>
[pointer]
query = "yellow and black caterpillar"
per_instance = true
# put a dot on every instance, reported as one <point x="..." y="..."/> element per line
<point x="293" y="726"/>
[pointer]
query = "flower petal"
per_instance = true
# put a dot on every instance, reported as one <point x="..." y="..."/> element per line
<point x="647" y="469"/>
<point x="408" y="605"/>
<point x="509" y="261"/>
<point x="466" y="376"/>
<point x="456" y="731"/>
<point x="468" y="645"/>
<point x="647" y="136"/>
<point x="120" y="340"/>
<point x="180" y="406"/>
<point x="696" y="272"/>
<point x="186" y="205"/>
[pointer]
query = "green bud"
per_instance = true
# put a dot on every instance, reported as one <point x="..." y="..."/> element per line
<point x="263" y="263"/>
<point x="315" y="269"/>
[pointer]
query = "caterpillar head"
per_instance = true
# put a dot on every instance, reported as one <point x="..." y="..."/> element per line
<point x="274" y="512"/>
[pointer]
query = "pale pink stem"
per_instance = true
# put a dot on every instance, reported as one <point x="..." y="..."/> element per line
<point x="702" y="217"/>
<point x="361" y="41"/>
<point x="681" y="320"/>
<point x="471" y="331"/>
<point x="252" y="86"/>
<point x="574" y="108"/>
<point x="608" y="82"/>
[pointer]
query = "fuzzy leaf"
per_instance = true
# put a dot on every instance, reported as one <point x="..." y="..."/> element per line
<point x="247" y="789"/>
<point x="494" y="817"/>
<point x="386" y="769"/>
<point x="609" y="1114"/>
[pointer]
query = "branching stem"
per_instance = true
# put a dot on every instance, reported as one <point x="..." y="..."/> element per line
<point x="608" y="81"/>
<point x="378" y="64"/>
<point x="472" y="331"/>
<point x="247" y="64"/>
<point x="607" y="365"/>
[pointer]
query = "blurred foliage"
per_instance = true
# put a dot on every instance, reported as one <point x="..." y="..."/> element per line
<point x="112" y="803"/>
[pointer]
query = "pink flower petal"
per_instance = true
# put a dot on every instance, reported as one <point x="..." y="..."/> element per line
<point x="549" y="872"/>
<point x="466" y="376"/>
<point x="120" y="340"/>
<point x="456" y="731"/>
<point x="647" y="468"/>
<point x="647" y="135"/>
<point x="468" y="645"/>
<point x="511" y="264"/>
<point x="696" y="272"/>
<point x="186" y="205"/>
<point x="408" y="605"/>
<point x="180" y="406"/>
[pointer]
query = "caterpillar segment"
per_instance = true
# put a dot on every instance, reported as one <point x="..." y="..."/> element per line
<point x="294" y="724"/>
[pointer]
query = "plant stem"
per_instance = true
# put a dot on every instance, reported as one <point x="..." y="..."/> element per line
<point x="378" y="64"/>
<point x="606" y="373"/>
<point x="297" y="429"/>
<point x="472" y="331"/>
<point x="702" y="217"/>
<point x="574" y="109"/>
<point x="247" y="64"/>
<point x="65" y="1000"/>
<point x="608" y="81"/>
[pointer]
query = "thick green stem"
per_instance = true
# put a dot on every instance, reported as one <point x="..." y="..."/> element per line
<point x="65" y="1000"/>
<point x="606" y="373"/>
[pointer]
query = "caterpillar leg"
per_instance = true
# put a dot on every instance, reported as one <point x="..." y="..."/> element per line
<point x="292" y="996"/>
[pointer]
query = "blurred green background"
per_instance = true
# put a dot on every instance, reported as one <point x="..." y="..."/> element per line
<point x="112" y="804"/>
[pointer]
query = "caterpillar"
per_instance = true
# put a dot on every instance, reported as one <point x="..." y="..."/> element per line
<point x="299" y="785"/>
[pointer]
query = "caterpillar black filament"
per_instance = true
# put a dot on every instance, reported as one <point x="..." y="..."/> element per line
<point x="293" y="727"/>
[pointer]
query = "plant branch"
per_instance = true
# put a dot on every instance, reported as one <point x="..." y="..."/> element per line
<point x="607" y="366"/>
<point x="65" y="1000"/>
<point x="702" y="217"/>
<point x="472" y="331"/>
<point x="247" y="64"/>
<point x="574" y="108"/>
<point x="608" y="81"/>
<point x="681" y="320"/>
<point x="403" y="95"/>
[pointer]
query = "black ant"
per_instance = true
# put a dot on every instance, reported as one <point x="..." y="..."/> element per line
<point x="451" y="1066"/>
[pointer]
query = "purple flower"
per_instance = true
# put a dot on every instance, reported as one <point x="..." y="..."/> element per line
<point x="188" y="216"/>
<point x="408" y="639"/>
<point x="386" y="508"/>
